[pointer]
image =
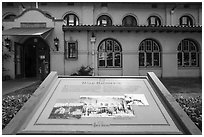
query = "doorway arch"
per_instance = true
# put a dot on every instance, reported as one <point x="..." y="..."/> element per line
<point x="36" y="54"/>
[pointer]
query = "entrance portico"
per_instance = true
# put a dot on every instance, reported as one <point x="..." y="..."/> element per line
<point x="30" y="44"/>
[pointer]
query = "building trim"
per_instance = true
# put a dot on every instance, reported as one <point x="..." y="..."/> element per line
<point x="35" y="9"/>
<point x="135" y="28"/>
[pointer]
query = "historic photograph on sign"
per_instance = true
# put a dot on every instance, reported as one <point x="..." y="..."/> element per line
<point x="136" y="99"/>
<point x="98" y="106"/>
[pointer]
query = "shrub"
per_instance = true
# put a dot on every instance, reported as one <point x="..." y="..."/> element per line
<point x="13" y="102"/>
<point x="193" y="107"/>
<point x="11" y="105"/>
<point x="83" y="71"/>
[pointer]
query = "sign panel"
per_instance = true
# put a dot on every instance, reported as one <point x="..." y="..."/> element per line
<point x="102" y="105"/>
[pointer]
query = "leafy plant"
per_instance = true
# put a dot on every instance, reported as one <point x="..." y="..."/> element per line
<point x="5" y="56"/>
<point x="83" y="71"/>
<point x="11" y="105"/>
<point x="13" y="102"/>
<point x="193" y="107"/>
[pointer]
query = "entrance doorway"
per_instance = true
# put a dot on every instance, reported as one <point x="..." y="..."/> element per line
<point x="30" y="60"/>
<point x="35" y="59"/>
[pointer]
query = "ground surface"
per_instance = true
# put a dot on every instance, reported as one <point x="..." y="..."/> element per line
<point x="186" y="87"/>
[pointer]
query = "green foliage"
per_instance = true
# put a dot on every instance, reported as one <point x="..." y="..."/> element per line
<point x="5" y="56"/>
<point x="11" y="105"/>
<point x="193" y="107"/>
<point x="83" y="71"/>
<point x="13" y="102"/>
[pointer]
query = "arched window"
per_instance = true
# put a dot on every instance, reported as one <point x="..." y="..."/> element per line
<point x="188" y="55"/>
<point x="149" y="53"/>
<point x="109" y="54"/>
<point x="186" y="21"/>
<point x="129" y="21"/>
<point x="71" y="20"/>
<point x="10" y="16"/>
<point x="104" y="20"/>
<point x="154" y="21"/>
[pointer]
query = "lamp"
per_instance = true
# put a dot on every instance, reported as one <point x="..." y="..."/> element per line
<point x="8" y="44"/>
<point x="173" y="10"/>
<point x="56" y="43"/>
<point x="93" y="38"/>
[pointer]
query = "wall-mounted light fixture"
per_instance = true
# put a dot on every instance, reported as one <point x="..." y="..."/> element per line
<point x="56" y="43"/>
<point x="93" y="37"/>
<point x="8" y="44"/>
<point x="173" y="10"/>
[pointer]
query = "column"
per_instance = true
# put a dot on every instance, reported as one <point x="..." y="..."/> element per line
<point x="93" y="40"/>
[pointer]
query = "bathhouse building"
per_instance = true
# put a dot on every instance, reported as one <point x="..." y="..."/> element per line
<point x="116" y="38"/>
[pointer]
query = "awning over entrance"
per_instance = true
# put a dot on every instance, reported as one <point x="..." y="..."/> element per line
<point x="43" y="32"/>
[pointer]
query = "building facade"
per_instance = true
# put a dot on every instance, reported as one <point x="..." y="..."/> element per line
<point x="120" y="39"/>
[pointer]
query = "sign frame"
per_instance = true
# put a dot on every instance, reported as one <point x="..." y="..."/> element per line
<point x="22" y="119"/>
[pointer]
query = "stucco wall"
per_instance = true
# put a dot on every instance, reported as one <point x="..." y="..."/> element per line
<point x="88" y="14"/>
<point x="72" y="65"/>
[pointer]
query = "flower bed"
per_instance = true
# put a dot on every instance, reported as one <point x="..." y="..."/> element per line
<point x="193" y="107"/>
<point x="11" y="105"/>
<point x="13" y="102"/>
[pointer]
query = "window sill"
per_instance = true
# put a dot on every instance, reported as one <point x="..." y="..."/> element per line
<point x="188" y="68"/>
<point x="71" y="59"/>
<point x="159" y="68"/>
<point x="110" y="68"/>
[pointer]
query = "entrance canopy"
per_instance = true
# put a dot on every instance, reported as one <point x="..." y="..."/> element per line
<point x="43" y="32"/>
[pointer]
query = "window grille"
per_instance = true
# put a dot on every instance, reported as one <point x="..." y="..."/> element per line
<point x="149" y="54"/>
<point x="109" y="54"/>
<point x="71" y="20"/>
<point x="71" y="50"/>
<point x="186" y="21"/>
<point x="154" y="21"/>
<point x="104" y="20"/>
<point x="188" y="55"/>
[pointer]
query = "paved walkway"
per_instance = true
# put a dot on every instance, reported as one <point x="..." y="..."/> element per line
<point x="13" y="85"/>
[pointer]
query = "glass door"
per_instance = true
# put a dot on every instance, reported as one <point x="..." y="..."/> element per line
<point x="18" y="60"/>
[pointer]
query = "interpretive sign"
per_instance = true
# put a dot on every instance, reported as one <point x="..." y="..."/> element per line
<point x="98" y="106"/>
<point x="101" y="105"/>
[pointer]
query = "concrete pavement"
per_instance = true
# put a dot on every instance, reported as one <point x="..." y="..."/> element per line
<point x="13" y="85"/>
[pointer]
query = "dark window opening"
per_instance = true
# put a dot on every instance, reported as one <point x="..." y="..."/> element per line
<point x="104" y="20"/>
<point x="71" y="20"/>
<point x="129" y="21"/>
<point x="186" y="21"/>
<point x="71" y="50"/>
<point x="154" y="21"/>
